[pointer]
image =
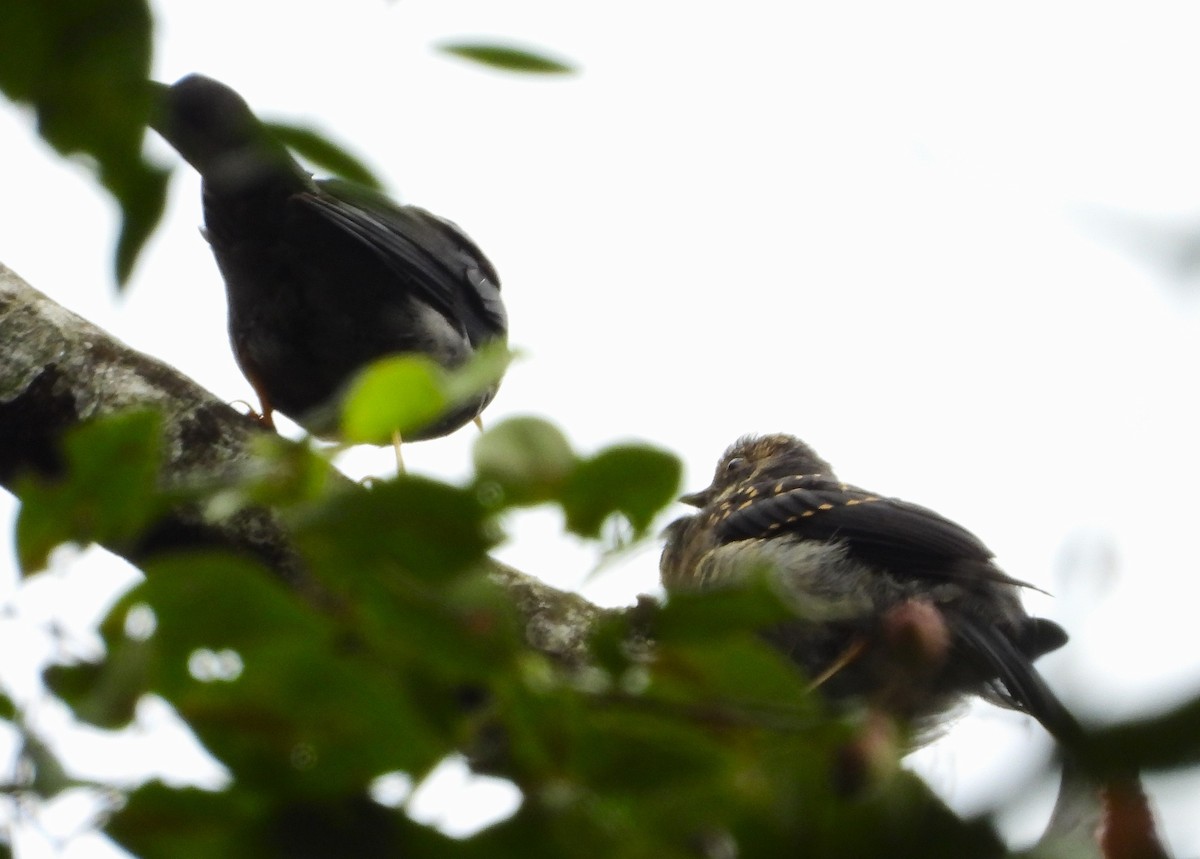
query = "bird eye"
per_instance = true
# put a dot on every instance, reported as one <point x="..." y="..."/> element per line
<point x="734" y="467"/>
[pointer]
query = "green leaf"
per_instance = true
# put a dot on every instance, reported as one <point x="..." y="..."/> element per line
<point x="528" y="458"/>
<point x="308" y="710"/>
<point x="738" y="671"/>
<point x="453" y="633"/>
<point x="406" y="393"/>
<point x="636" y="481"/>
<point x="142" y="196"/>
<point x="49" y="775"/>
<point x="631" y="750"/>
<point x="425" y="528"/>
<point x="108" y="494"/>
<point x="400" y="394"/>
<point x="324" y="154"/>
<point x="485" y="370"/>
<point x="106" y="693"/>
<point x="282" y="473"/>
<point x="187" y="823"/>
<point x="83" y="67"/>
<point x="1168" y="740"/>
<point x="697" y="616"/>
<point x="235" y="823"/>
<point x="507" y="58"/>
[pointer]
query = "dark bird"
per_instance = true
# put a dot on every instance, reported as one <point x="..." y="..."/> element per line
<point x="322" y="277"/>
<point x="894" y="603"/>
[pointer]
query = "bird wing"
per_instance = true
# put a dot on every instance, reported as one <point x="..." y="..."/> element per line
<point x="906" y="538"/>
<point x="444" y="268"/>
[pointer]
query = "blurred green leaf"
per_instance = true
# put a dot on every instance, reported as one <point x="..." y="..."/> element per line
<point x="741" y="673"/>
<point x="698" y="616"/>
<point x="83" y="66"/>
<point x="406" y="393"/>
<point x="1168" y="740"/>
<point x="142" y="195"/>
<point x="622" y="774"/>
<point x="107" y="495"/>
<point x="106" y="693"/>
<point x="193" y="824"/>
<point x="188" y="823"/>
<point x="636" y="481"/>
<point x="485" y="370"/>
<point x="309" y="710"/>
<point x="49" y="775"/>
<point x="283" y="473"/>
<point x="424" y="528"/>
<point x="665" y="753"/>
<point x="507" y="58"/>
<point x="324" y="154"/>
<point x="529" y="458"/>
<point x="394" y="395"/>
<point x="460" y="633"/>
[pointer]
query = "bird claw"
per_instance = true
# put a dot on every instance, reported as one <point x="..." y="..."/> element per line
<point x="263" y="418"/>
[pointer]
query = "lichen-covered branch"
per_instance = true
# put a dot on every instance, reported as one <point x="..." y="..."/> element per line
<point x="58" y="370"/>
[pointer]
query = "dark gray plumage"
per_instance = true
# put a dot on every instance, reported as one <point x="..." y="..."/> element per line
<point x="323" y="277"/>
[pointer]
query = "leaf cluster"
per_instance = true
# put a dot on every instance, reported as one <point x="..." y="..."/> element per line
<point x="406" y="650"/>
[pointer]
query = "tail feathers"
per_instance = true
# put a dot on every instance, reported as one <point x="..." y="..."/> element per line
<point x="1037" y="636"/>
<point x="1100" y="815"/>
<point x="1019" y="684"/>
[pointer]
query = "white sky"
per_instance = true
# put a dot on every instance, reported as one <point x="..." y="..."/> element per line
<point x="920" y="236"/>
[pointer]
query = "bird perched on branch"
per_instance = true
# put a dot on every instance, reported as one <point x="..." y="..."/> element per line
<point x="323" y="277"/>
<point x="894" y="603"/>
<point x="898" y="607"/>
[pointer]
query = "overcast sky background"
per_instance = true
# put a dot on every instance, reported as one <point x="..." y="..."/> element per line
<point x="946" y="246"/>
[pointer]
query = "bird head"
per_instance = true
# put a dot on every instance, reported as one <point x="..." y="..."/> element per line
<point x="753" y="458"/>
<point x="214" y="130"/>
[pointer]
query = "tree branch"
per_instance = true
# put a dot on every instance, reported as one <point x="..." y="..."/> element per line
<point x="58" y="370"/>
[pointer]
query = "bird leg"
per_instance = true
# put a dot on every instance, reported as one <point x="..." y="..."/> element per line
<point x="263" y="419"/>
<point x="266" y="409"/>
<point x="851" y="653"/>
<point x="396" y="442"/>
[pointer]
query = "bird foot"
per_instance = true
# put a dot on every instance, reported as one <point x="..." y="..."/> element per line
<point x="262" y="418"/>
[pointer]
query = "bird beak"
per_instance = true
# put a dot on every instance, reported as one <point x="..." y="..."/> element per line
<point x="696" y="499"/>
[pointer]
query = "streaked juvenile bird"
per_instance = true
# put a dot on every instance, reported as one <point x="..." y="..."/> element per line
<point x="323" y="277"/>
<point x="894" y="604"/>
